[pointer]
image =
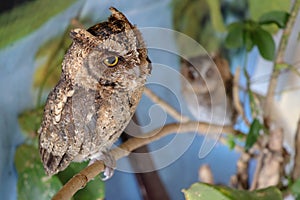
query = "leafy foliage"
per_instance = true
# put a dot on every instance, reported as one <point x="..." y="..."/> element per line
<point x="25" y="19"/>
<point x="30" y="121"/>
<point x="202" y="191"/>
<point x="249" y="33"/>
<point x="235" y="36"/>
<point x="295" y="189"/>
<point x="257" y="8"/>
<point x="201" y="20"/>
<point x="265" y="43"/>
<point x="253" y="134"/>
<point x="32" y="181"/>
<point x="278" y="17"/>
<point x="216" y="16"/>
<point x="52" y="52"/>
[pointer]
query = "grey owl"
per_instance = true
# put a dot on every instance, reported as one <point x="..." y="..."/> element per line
<point x="102" y="80"/>
<point x="210" y="82"/>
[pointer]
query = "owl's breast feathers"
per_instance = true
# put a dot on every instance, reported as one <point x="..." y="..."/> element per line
<point x="78" y="123"/>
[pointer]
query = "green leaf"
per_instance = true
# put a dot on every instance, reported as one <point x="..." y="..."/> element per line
<point x="28" y="17"/>
<point x="234" y="38"/>
<point x="280" y="18"/>
<point x="265" y="43"/>
<point x="30" y="121"/>
<point x="93" y="190"/>
<point x="202" y="191"/>
<point x="253" y="134"/>
<point x="259" y="7"/>
<point x="295" y="189"/>
<point x="231" y="141"/>
<point x="248" y="41"/>
<point x="33" y="184"/>
<point x="216" y="15"/>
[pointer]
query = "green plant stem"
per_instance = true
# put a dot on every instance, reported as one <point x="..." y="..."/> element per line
<point x="279" y="59"/>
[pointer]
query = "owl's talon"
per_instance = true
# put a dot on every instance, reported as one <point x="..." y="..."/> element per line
<point x="108" y="173"/>
<point x="109" y="162"/>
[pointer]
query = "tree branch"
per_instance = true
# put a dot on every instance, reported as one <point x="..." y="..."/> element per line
<point x="270" y="165"/>
<point x="236" y="99"/>
<point x="83" y="177"/>
<point x="169" y="109"/>
<point x="241" y="177"/>
<point x="279" y="59"/>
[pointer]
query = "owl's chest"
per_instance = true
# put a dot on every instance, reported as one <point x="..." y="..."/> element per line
<point x="101" y="118"/>
<point x="97" y="111"/>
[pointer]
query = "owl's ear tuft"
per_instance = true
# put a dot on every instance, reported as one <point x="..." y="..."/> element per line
<point x="82" y="37"/>
<point x="117" y="15"/>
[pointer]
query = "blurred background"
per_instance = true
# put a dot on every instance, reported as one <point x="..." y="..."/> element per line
<point x="33" y="40"/>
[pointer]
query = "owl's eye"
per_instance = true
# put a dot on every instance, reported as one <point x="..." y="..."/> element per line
<point x="111" y="61"/>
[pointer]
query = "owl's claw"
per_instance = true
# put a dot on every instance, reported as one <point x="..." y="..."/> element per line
<point x="109" y="162"/>
<point x="108" y="173"/>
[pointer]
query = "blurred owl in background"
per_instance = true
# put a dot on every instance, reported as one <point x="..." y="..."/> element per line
<point x="207" y="89"/>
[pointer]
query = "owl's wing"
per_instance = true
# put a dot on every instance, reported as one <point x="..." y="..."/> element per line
<point x="58" y="142"/>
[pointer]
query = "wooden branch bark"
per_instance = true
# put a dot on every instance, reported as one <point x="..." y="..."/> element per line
<point x="88" y="173"/>
<point x="279" y="60"/>
<point x="242" y="176"/>
<point x="169" y="109"/>
<point x="236" y="99"/>
<point x="270" y="163"/>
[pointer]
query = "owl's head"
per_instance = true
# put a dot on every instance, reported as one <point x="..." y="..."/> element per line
<point x="111" y="54"/>
<point x="201" y="73"/>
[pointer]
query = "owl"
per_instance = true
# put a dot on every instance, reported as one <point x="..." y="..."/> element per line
<point x="210" y="81"/>
<point x="102" y="80"/>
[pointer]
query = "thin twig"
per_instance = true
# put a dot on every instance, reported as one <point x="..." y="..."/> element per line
<point x="236" y="99"/>
<point x="279" y="59"/>
<point x="90" y="172"/>
<point x="169" y="109"/>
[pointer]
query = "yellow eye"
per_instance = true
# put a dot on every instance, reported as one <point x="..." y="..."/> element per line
<point x="111" y="61"/>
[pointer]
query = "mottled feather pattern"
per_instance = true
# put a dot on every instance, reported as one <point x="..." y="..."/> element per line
<point x="94" y="101"/>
